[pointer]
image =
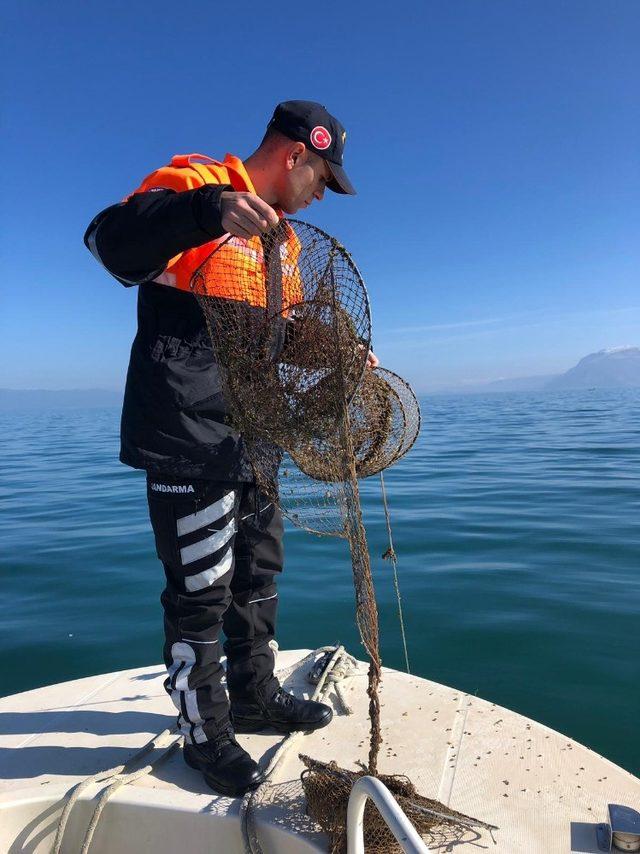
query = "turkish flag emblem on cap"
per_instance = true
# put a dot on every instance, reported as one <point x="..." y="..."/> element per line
<point x="320" y="138"/>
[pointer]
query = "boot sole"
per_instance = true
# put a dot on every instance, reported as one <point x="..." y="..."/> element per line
<point x="228" y="791"/>
<point x="249" y="725"/>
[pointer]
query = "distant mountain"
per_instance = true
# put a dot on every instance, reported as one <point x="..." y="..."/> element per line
<point x="536" y="383"/>
<point x="63" y="398"/>
<point x="618" y="367"/>
<point x="520" y="383"/>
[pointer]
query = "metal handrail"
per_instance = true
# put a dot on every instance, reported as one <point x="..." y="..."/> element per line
<point x="406" y="834"/>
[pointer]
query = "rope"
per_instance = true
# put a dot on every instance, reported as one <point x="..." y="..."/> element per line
<point x="344" y="667"/>
<point x="390" y="554"/>
<point x="121" y="780"/>
<point x="340" y="666"/>
<point x="120" y="777"/>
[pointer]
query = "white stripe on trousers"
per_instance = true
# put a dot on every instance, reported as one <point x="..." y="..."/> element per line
<point x="207" y="577"/>
<point x="215" y="511"/>
<point x="183" y="654"/>
<point x="264" y="599"/>
<point x="188" y="554"/>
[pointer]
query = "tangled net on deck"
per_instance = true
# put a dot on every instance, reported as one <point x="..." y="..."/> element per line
<point x="327" y="788"/>
<point x="290" y="326"/>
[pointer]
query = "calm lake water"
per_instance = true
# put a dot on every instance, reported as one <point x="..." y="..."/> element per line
<point x="516" y="519"/>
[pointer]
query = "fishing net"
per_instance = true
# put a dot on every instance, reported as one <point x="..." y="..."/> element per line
<point x="328" y="787"/>
<point x="290" y="326"/>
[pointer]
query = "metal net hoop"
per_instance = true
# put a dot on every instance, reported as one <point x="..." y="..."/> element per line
<point x="290" y="326"/>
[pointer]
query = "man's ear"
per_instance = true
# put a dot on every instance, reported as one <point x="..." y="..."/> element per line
<point x="296" y="154"/>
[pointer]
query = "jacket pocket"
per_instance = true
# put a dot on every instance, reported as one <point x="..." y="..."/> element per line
<point x="189" y="376"/>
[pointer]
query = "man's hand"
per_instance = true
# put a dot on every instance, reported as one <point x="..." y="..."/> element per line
<point x="372" y="360"/>
<point x="245" y="214"/>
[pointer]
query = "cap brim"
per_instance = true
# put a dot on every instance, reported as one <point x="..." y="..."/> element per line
<point x="340" y="183"/>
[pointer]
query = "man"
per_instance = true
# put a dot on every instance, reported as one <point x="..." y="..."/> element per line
<point x="218" y="537"/>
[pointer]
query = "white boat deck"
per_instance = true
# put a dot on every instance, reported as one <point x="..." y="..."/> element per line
<point x="544" y="791"/>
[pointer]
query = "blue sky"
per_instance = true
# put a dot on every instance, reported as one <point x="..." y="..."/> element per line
<point x="494" y="146"/>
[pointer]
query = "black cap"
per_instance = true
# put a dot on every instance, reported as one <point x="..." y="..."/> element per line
<point x="308" y="122"/>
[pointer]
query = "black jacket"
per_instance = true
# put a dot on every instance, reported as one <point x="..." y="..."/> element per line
<point x="173" y="416"/>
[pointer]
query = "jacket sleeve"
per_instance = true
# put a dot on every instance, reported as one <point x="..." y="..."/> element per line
<point x="135" y="239"/>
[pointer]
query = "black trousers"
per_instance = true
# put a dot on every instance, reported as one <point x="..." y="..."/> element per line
<point x="221" y="547"/>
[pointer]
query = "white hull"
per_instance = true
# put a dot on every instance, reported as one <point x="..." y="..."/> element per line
<point x="544" y="791"/>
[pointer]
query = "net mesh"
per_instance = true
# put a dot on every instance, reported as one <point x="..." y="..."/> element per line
<point x="290" y="326"/>
<point x="327" y="787"/>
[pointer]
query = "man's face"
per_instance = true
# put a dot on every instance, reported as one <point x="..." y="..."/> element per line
<point x="304" y="180"/>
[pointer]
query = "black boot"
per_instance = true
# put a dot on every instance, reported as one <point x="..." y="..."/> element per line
<point x="227" y="768"/>
<point x="282" y="712"/>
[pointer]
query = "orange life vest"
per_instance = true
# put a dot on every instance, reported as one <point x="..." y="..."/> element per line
<point x="236" y="270"/>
